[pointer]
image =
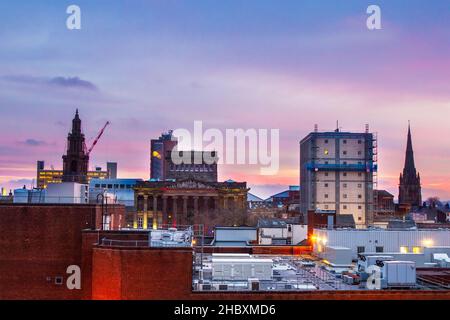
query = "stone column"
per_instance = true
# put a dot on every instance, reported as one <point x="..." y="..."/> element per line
<point x="155" y="210"/>
<point x="174" y="213"/>
<point x="195" y="210"/>
<point x="144" y="216"/>
<point x="205" y="206"/>
<point x="164" y="211"/>
<point x="216" y="204"/>
<point x="185" y="200"/>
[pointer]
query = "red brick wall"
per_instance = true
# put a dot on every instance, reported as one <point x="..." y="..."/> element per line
<point x="141" y="273"/>
<point x="37" y="244"/>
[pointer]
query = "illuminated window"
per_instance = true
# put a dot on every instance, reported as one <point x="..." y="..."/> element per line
<point x="416" y="249"/>
<point x="404" y="249"/>
<point x="325" y="151"/>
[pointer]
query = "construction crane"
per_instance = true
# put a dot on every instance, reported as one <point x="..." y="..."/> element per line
<point x="98" y="138"/>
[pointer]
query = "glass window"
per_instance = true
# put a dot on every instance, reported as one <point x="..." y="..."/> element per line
<point x="345" y="196"/>
<point x="345" y="185"/>
<point x="404" y="249"/>
<point x="97" y="185"/>
<point x="345" y="141"/>
<point x="345" y="207"/>
<point x="416" y="250"/>
<point x="344" y="152"/>
<point x="326" y="185"/>
<point x="359" y="141"/>
<point x="379" y="249"/>
<point x="344" y="174"/>
<point x="359" y="196"/>
<point x="326" y="140"/>
<point x="326" y="195"/>
<point x="360" y="249"/>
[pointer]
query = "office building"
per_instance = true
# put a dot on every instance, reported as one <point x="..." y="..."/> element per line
<point x="194" y="164"/>
<point x="337" y="173"/>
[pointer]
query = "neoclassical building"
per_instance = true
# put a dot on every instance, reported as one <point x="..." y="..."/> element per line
<point x="186" y="202"/>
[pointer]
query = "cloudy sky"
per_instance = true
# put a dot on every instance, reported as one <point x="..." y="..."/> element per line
<point x="150" y="66"/>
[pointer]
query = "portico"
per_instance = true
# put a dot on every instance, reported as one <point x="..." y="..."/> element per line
<point x="168" y="203"/>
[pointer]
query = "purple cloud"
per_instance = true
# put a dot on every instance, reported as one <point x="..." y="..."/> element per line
<point x="59" y="81"/>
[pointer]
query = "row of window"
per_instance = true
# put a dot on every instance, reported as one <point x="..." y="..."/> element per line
<point x="344" y="174"/>
<point x="345" y="141"/>
<point x="344" y="207"/>
<point x="343" y="196"/>
<point x="344" y="185"/>
<point x="344" y="152"/>
<point x="115" y="186"/>
<point x="379" y="249"/>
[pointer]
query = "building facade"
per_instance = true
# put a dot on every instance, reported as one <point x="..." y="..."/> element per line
<point x="159" y="148"/>
<point x="337" y="173"/>
<point x="383" y="203"/>
<point x="410" y="193"/>
<point x="199" y="165"/>
<point x="48" y="176"/>
<point x="119" y="191"/>
<point x="186" y="202"/>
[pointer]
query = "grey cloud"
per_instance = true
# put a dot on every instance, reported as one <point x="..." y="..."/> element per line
<point x="33" y="142"/>
<point x="63" y="82"/>
<point x="73" y="82"/>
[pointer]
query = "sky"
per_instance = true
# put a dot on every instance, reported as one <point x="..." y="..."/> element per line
<point x="151" y="66"/>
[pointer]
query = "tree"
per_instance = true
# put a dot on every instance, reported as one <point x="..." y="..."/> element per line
<point x="434" y="202"/>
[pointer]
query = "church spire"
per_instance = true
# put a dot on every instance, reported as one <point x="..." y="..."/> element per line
<point x="409" y="187"/>
<point x="75" y="161"/>
<point x="76" y="124"/>
<point x="410" y="168"/>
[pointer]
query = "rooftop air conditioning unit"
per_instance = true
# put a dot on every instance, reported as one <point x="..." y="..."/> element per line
<point x="205" y="287"/>
<point x="223" y="287"/>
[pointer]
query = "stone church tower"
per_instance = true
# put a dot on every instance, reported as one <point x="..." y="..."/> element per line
<point x="76" y="160"/>
<point x="409" y="188"/>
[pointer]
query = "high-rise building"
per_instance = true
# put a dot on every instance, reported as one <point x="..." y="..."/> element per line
<point x="160" y="149"/>
<point x="199" y="165"/>
<point x="337" y="174"/>
<point x="409" y="188"/>
<point x="76" y="160"/>
<point x="111" y="168"/>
